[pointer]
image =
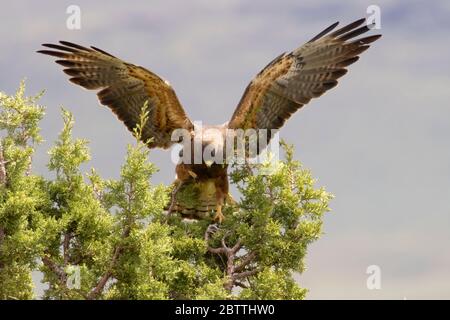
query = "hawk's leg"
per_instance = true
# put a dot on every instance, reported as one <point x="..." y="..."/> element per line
<point x="221" y="185"/>
<point x="219" y="217"/>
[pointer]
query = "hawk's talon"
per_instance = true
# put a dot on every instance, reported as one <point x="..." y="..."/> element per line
<point x="192" y="174"/>
<point x="219" y="217"/>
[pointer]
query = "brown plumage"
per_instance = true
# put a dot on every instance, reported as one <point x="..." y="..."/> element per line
<point x="286" y="84"/>
<point x="124" y="88"/>
<point x="292" y="80"/>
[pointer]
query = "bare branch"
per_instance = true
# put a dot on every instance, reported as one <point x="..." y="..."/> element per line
<point x="217" y="250"/>
<point x="56" y="269"/>
<point x="237" y="246"/>
<point x="100" y="286"/>
<point x="98" y="289"/>
<point x="245" y="274"/>
<point x="66" y="244"/>
<point x="233" y="272"/>
<point x="245" y="261"/>
<point x="224" y="245"/>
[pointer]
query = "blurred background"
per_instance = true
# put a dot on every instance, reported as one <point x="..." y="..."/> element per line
<point x="379" y="141"/>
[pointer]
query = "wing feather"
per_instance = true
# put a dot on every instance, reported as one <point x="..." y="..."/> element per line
<point x="292" y="80"/>
<point x="124" y="88"/>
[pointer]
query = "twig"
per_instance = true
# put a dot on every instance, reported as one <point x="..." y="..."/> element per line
<point x="108" y="273"/>
<point x="245" y="261"/>
<point x="236" y="247"/>
<point x="245" y="274"/>
<point x="224" y="245"/>
<point x="60" y="273"/>
<point x="66" y="244"/>
<point x="100" y="286"/>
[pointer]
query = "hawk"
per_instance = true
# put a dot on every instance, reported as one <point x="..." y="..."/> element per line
<point x="285" y="85"/>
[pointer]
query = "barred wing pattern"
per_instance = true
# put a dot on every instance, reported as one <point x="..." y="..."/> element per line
<point x="124" y="88"/>
<point x="291" y="80"/>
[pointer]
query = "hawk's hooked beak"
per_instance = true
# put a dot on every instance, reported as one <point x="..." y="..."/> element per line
<point x="209" y="163"/>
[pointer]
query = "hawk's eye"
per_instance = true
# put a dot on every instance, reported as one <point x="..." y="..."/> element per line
<point x="180" y="154"/>
<point x="213" y="152"/>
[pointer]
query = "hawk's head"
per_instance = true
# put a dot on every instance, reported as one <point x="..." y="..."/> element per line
<point x="206" y="146"/>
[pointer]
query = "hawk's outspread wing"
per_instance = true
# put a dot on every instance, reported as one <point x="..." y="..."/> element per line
<point x="292" y="80"/>
<point x="124" y="88"/>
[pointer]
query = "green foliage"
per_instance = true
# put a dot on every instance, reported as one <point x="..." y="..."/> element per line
<point x="111" y="239"/>
<point x="263" y="287"/>
<point x="280" y="213"/>
<point x="21" y="194"/>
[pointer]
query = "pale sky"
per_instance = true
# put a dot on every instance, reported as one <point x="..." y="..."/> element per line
<point x="379" y="141"/>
